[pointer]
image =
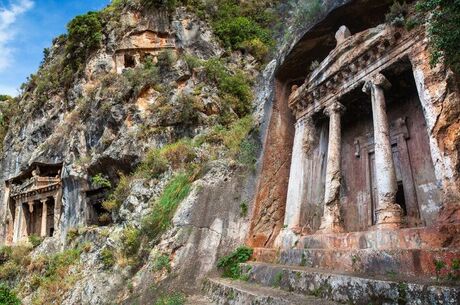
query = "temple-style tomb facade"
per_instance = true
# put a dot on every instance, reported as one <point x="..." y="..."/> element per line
<point x="33" y="199"/>
<point x="357" y="144"/>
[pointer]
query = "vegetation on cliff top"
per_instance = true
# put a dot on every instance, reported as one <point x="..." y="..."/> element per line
<point x="443" y="30"/>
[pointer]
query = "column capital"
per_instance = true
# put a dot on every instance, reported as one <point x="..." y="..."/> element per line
<point x="378" y="80"/>
<point x="303" y="120"/>
<point x="335" y="107"/>
<point x="31" y="206"/>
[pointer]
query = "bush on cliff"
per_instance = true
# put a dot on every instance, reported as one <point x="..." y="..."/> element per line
<point x="443" y="30"/>
<point x="8" y="297"/>
<point x="84" y="36"/>
<point x="230" y="264"/>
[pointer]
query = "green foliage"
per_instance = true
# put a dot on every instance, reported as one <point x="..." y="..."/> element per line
<point x="135" y="80"/>
<point x="163" y="209"/>
<point x="35" y="240"/>
<point x="118" y="195"/>
<point x="84" y="36"/>
<point x="278" y="278"/>
<point x="9" y="270"/>
<point x="235" y="31"/>
<point x="172" y="299"/>
<point x="248" y="153"/>
<point x="235" y="139"/>
<point x="241" y="25"/>
<point x="166" y="59"/>
<point x="161" y="262"/>
<point x="107" y="258"/>
<point x="53" y="277"/>
<point x="72" y="234"/>
<point x="60" y="261"/>
<point x="100" y="181"/>
<point x="243" y="209"/>
<point x="443" y="30"/>
<point x="160" y="4"/>
<point x="236" y="86"/>
<point x="4" y="97"/>
<point x="8" y="297"/>
<point x="397" y="14"/>
<point x="131" y="241"/>
<point x="178" y="154"/>
<point x="153" y="165"/>
<point x="8" y="109"/>
<point x="230" y="264"/>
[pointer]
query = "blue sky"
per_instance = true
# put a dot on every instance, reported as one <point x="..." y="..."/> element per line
<point x="26" y="28"/>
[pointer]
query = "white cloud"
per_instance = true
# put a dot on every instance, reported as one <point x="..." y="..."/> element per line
<point x="9" y="90"/>
<point x="8" y="16"/>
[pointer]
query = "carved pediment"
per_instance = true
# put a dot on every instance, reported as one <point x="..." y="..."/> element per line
<point x="354" y="58"/>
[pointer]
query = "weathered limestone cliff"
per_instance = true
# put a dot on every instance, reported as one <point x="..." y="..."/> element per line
<point x="136" y="159"/>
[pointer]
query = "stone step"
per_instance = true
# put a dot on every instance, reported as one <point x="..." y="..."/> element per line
<point x="198" y="300"/>
<point x="415" y="262"/>
<point x="351" y="289"/>
<point x="230" y="292"/>
<point x="410" y="238"/>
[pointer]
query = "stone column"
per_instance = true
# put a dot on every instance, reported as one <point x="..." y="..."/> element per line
<point x="17" y="221"/>
<point x="296" y="186"/>
<point x="388" y="212"/>
<point x="43" y="232"/>
<point x="331" y="222"/>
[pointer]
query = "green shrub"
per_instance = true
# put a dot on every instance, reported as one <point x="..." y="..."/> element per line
<point x="118" y="195"/>
<point x="257" y="48"/>
<point x="153" y="165"/>
<point x="236" y="85"/>
<point x="8" y="297"/>
<point x="243" y="209"/>
<point x="131" y="241"/>
<point x="160" y="4"/>
<point x="5" y="254"/>
<point x="163" y="209"/>
<point x="230" y="264"/>
<point x="234" y="31"/>
<point x="443" y="30"/>
<point x="173" y="299"/>
<point x="84" y="36"/>
<point x="58" y="262"/>
<point x="107" y="258"/>
<point x="248" y="153"/>
<point x="188" y="109"/>
<point x="166" y="59"/>
<point x="161" y="262"/>
<point x="9" y="270"/>
<point x="35" y="240"/>
<point x="179" y="154"/>
<point x="239" y="24"/>
<point x="397" y="14"/>
<point x="100" y="181"/>
<point x="72" y="234"/>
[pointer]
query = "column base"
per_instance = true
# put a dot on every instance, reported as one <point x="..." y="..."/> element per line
<point x="331" y="221"/>
<point x="389" y="217"/>
<point x="287" y="239"/>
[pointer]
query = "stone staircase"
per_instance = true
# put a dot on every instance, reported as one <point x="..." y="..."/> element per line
<point x="363" y="268"/>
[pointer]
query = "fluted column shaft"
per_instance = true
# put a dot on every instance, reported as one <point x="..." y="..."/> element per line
<point x="388" y="212"/>
<point x="43" y="232"/>
<point x="296" y="186"/>
<point x="331" y="220"/>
